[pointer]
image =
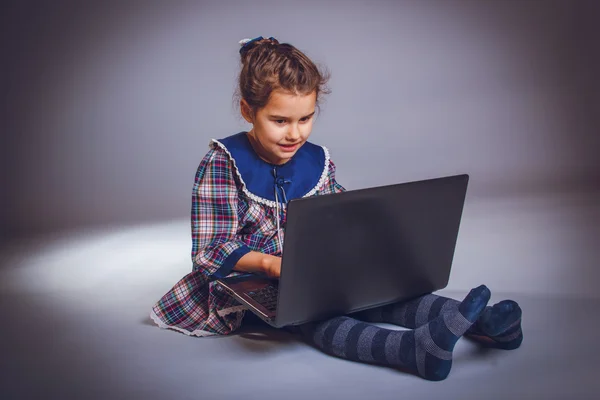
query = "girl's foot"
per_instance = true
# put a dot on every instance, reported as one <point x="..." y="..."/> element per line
<point x="499" y="326"/>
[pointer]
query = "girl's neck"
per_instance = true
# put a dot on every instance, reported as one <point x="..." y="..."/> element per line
<point x="259" y="149"/>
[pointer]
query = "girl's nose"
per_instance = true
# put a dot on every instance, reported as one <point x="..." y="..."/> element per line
<point x="293" y="133"/>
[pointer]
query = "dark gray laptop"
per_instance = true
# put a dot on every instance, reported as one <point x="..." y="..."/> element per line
<point x="359" y="249"/>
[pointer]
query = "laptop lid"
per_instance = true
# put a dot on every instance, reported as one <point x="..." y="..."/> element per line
<point x="354" y="250"/>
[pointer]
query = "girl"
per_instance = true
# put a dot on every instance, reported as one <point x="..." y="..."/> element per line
<point x="239" y="212"/>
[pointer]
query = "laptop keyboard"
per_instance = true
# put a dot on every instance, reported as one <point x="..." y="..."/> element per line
<point x="267" y="296"/>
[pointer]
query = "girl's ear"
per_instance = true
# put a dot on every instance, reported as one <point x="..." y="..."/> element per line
<point x="246" y="111"/>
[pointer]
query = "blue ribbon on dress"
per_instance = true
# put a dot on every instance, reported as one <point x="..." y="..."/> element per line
<point x="279" y="190"/>
<point x="278" y="187"/>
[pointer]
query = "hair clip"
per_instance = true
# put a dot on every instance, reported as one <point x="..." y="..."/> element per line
<point x="245" y="42"/>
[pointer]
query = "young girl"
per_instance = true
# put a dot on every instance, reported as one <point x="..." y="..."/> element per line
<point x="238" y="217"/>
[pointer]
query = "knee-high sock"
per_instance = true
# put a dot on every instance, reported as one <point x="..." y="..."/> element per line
<point x="426" y="350"/>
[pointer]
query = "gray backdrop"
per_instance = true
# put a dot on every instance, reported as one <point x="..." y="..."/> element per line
<point x="107" y="109"/>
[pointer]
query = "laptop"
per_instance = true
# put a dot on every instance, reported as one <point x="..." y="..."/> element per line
<point x="350" y="251"/>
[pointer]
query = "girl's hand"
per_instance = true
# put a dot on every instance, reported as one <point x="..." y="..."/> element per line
<point x="259" y="263"/>
<point x="272" y="266"/>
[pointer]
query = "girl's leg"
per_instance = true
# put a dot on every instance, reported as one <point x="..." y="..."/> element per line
<point x="498" y="326"/>
<point x="426" y="351"/>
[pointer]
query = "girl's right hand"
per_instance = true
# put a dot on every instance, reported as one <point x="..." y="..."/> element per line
<point x="272" y="267"/>
<point x="259" y="263"/>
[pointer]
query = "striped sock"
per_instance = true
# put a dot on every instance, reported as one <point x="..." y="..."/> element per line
<point x="498" y="326"/>
<point x="426" y="351"/>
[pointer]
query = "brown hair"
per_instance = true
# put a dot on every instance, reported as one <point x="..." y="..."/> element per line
<point x="268" y="65"/>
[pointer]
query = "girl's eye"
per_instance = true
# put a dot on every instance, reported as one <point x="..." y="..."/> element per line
<point x="280" y="121"/>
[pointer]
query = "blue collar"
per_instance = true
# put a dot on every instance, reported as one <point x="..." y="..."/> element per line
<point x="301" y="176"/>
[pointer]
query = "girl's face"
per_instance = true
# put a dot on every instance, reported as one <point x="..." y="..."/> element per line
<point x="282" y="126"/>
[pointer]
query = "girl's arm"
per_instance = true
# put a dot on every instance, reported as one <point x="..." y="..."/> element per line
<point x="216" y="248"/>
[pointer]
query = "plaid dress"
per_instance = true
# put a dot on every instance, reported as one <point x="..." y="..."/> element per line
<point x="237" y="199"/>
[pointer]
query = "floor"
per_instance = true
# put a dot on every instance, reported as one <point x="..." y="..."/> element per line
<point x="74" y="311"/>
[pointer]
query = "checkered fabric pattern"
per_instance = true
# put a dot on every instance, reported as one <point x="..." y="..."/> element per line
<point x="226" y="224"/>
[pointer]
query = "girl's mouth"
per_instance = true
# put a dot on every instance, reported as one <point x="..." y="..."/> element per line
<point x="289" y="148"/>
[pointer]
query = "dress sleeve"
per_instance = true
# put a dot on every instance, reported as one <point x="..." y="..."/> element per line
<point x="330" y="185"/>
<point x="216" y="247"/>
